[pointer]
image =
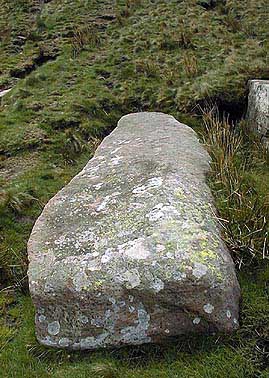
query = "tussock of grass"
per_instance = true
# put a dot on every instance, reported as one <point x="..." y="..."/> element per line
<point x="244" y="213"/>
<point x="87" y="36"/>
<point x="104" y="371"/>
<point x="16" y="201"/>
<point x="190" y="65"/>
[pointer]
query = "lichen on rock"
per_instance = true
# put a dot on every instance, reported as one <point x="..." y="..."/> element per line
<point x="130" y="252"/>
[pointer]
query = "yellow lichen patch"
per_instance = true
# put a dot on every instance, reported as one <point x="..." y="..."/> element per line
<point x="208" y="258"/>
<point x="98" y="283"/>
<point x="179" y="193"/>
<point x="206" y="254"/>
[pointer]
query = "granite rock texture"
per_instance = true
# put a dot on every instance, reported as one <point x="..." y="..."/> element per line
<point x="258" y="108"/>
<point x="129" y="252"/>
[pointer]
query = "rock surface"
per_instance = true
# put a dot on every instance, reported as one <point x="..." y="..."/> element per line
<point x="258" y="108"/>
<point x="129" y="252"/>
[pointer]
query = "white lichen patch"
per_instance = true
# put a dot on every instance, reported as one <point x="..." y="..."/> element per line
<point x="199" y="270"/>
<point x="83" y="238"/>
<point x="93" y="266"/>
<point x="61" y="241"/>
<point x="131" y="278"/>
<point x="100" y="157"/>
<point x="208" y="308"/>
<point x="98" y="186"/>
<point x="80" y="281"/>
<point x="109" y="199"/>
<point x="49" y="341"/>
<point x="103" y="204"/>
<point x="160" y="211"/>
<point x="155" y="182"/>
<point x="157" y="285"/>
<point x="105" y="258"/>
<point x="93" y="342"/>
<point x="124" y="141"/>
<point x="196" y="320"/>
<point x="170" y="255"/>
<point x="98" y="321"/>
<point x="131" y="309"/>
<point x="116" y="160"/>
<point x="160" y="248"/>
<point x="83" y="319"/>
<point x="156" y="213"/>
<point x="135" y="249"/>
<point x="64" y="342"/>
<point x="46" y="259"/>
<point x="41" y="318"/>
<point x="54" y="328"/>
<point x="115" y="151"/>
<point x="179" y="276"/>
<point x="137" y="334"/>
<point x="152" y="183"/>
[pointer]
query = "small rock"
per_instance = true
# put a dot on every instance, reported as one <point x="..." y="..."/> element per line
<point x="4" y="92"/>
<point x="258" y="108"/>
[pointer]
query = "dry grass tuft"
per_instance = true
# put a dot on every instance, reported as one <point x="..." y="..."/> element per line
<point x="243" y="213"/>
<point x="16" y="201"/>
<point x="85" y="36"/>
<point x="148" y="68"/>
<point x="101" y="370"/>
<point x="190" y="65"/>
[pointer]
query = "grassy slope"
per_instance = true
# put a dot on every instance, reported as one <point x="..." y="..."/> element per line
<point x="159" y="55"/>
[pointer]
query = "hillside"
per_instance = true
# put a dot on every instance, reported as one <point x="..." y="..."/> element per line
<point x="74" y="68"/>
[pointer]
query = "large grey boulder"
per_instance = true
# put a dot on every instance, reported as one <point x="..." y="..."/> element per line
<point x="258" y="108"/>
<point x="129" y="252"/>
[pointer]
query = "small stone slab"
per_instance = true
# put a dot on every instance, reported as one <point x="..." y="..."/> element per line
<point x="258" y="108"/>
<point x="129" y="252"/>
<point x="3" y="93"/>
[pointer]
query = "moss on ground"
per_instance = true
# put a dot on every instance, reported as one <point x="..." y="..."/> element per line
<point x="76" y="68"/>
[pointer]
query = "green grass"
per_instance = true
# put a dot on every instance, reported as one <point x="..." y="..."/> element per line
<point x="171" y="56"/>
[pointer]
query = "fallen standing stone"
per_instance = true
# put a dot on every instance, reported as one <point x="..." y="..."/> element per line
<point x="258" y="108"/>
<point x="129" y="252"/>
